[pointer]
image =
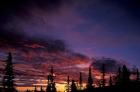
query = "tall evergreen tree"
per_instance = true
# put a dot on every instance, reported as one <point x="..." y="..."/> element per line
<point x="80" y="82"/>
<point x="51" y="84"/>
<point x="103" y="75"/>
<point x="125" y="76"/>
<point x="90" y="80"/>
<point x="138" y="75"/>
<point x="73" y="86"/>
<point x="119" y="76"/>
<point x="35" y="90"/>
<point x="8" y="80"/>
<point x="41" y="89"/>
<point x="110" y="81"/>
<point x="68" y="85"/>
<point x="28" y="90"/>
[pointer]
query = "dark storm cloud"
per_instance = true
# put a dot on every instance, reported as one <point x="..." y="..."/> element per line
<point x="17" y="39"/>
<point x="13" y="39"/>
<point x="24" y="43"/>
<point x="111" y="65"/>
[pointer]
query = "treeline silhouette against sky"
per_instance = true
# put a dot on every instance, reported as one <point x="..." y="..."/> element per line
<point x="121" y="81"/>
<point x="69" y="35"/>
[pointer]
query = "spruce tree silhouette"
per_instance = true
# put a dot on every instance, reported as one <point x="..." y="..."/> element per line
<point x="51" y="84"/>
<point x="73" y="86"/>
<point x="125" y="76"/>
<point x="28" y="90"/>
<point x="110" y="81"/>
<point x="8" y="80"/>
<point x="41" y="89"/>
<point x="103" y="75"/>
<point x="138" y="75"/>
<point x="80" y="82"/>
<point x="90" y="81"/>
<point x="35" y="90"/>
<point x="119" y="77"/>
<point x="137" y="82"/>
<point x="68" y="85"/>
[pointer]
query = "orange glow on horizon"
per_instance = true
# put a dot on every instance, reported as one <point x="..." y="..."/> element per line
<point x="59" y="87"/>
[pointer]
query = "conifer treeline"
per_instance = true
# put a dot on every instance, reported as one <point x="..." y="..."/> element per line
<point x="120" y="82"/>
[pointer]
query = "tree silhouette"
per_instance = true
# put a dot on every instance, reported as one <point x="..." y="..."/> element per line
<point x="35" y="90"/>
<point x="73" y="86"/>
<point x="90" y="80"/>
<point x="125" y="76"/>
<point x="138" y="75"/>
<point x="41" y="89"/>
<point x="110" y="81"/>
<point x="68" y="85"/>
<point x="80" y="82"/>
<point x="51" y="84"/>
<point x="27" y="90"/>
<point x="119" y="77"/>
<point x="8" y="80"/>
<point x="123" y="82"/>
<point x="103" y="75"/>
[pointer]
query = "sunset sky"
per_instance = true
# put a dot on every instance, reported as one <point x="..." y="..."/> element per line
<point x="68" y="34"/>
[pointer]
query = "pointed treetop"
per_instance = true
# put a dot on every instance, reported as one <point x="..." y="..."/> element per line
<point x="103" y="67"/>
<point x="110" y="80"/>
<point x="89" y="70"/>
<point x="138" y="75"/>
<point x="119" y="69"/>
<point x="80" y="81"/>
<point x="119" y="72"/>
<point x="80" y="78"/>
<point x="90" y="80"/>
<point x="51" y="71"/>
<point x="68" y="80"/>
<point x="9" y="57"/>
<point x="110" y="77"/>
<point x="137" y="71"/>
<point x="125" y="69"/>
